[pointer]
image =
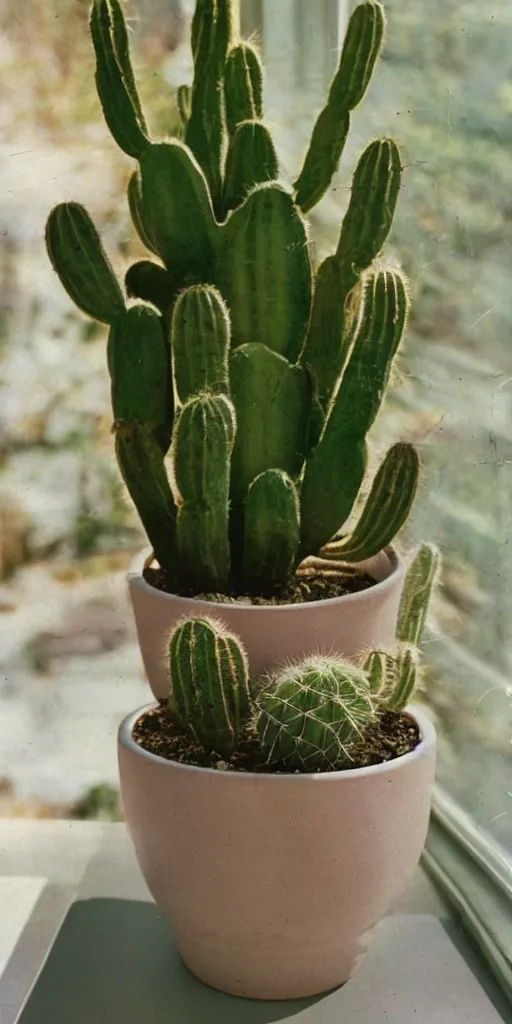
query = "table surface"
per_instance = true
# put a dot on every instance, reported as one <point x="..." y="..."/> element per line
<point x="81" y="941"/>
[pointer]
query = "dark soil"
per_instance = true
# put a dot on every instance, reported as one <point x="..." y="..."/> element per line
<point x="307" y="585"/>
<point x="394" y="734"/>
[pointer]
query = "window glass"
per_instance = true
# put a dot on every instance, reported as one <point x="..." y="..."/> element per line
<point x="68" y="654"/>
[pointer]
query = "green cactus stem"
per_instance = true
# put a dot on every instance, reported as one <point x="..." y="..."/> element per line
<point x="202" y="445"/>
<point x="367" y="223"/>
<point x="386" y="510"/>
<point x="310" y="715"/>
<point x="205" y="131"/>
<point x="377" y="668"/>
<point x="78" y="257"/>
<point x="209" y="684"/>
<point x="403" y="679"/>
<point x="272" y="428"/>
<point x="243" y="85"/>
<point x="177" y="211"/>
<point x="141" y="462"/>
<point x="264" y="272"/>
<point x="336" y="467"/>
<point x="271" y="531"/>
<point x="420" y="581"/>
<point x="151" y="283"/>
<point x="251" y="160"/>
<point x="140" y="371"/>
<point x="370" y="213"/>
<point x="183" y="101"/>
<point x="136" y="212"/>
<point x="114" y="77"/>
<point x="363" y="43"/>
<point x="200" y="336"/>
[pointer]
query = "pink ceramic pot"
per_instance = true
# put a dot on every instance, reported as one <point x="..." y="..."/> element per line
<point x="346" y="626"/>
<point x="273" y="883"/>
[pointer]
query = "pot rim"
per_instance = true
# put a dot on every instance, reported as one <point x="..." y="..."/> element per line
<point x="427" y="742"/>
<point x="144" y="558"/>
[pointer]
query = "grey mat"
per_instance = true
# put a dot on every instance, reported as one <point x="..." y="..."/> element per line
<point x="115" y="961"/>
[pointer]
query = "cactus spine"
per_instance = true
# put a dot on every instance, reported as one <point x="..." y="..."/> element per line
<point x="309" y="716"/>
<point x="209" y="683"/>
<point x="303" y="361"/>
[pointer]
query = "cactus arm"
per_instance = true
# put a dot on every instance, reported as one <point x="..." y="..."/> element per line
<point x="404" y="678"/>
<point x="243" y="86"/>
<point x="386" y="509"/>
<point x="178" y="214"/>
<point x="141" y="463"/>
<point x="205" y="131"/>
<point x="311" y="713"/>
<point x="183" y="100"/>
<point x="420" y="581"/>
<point x="202" y="444"/>
<point x="336" y="467"/>
<point x="370" y="213"/>
<point x="377" y="668"/>
<point x="136" y="212"/>
<point x="140" y="371"/>
<point x="264" y="272"/>
<point x="114" y="77"/>
<point x="209" y="683"/>
<point x="200" y="336"/>
<point x="251" y="160"/>
<point x="362" y="46"/>
<point x="272" y="428"/>
<point x="330" y="332"/>
<point x="134" y="193"/>
<point x="151" y="283"/>
<point x="271" y="531"/>
<point x="367" y="223"/>
<point x="78" y="257"/>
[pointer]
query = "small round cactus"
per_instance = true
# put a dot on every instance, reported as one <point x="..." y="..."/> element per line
<point x="209" y="683"/>
<point x="310" y="714"/>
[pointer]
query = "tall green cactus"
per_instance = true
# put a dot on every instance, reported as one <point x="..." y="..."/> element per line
<point x="235" y="326"/>
<point x="309" y="715"/>
<point x="209" y="683"/>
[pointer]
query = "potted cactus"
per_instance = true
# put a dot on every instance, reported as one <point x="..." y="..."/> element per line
<point x="276" y="819"/>
<point x="245" y="379"/>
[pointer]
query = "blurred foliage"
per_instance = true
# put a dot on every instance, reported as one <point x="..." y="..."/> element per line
<point x="56" y="91"/>
<point x="446" y="86"/>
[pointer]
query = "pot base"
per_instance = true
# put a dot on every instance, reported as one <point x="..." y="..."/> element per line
<point x="315" y="974"/>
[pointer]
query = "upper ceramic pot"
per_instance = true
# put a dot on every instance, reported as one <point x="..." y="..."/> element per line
<point x="347" y="626"/>
<point x="273" y="883"/>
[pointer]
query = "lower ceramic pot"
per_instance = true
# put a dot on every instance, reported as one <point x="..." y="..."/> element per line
<point x="273" y="883"/>
<point x="271" y="635"/>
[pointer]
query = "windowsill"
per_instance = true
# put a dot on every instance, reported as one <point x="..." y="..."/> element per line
<point x="111" y="952"/>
